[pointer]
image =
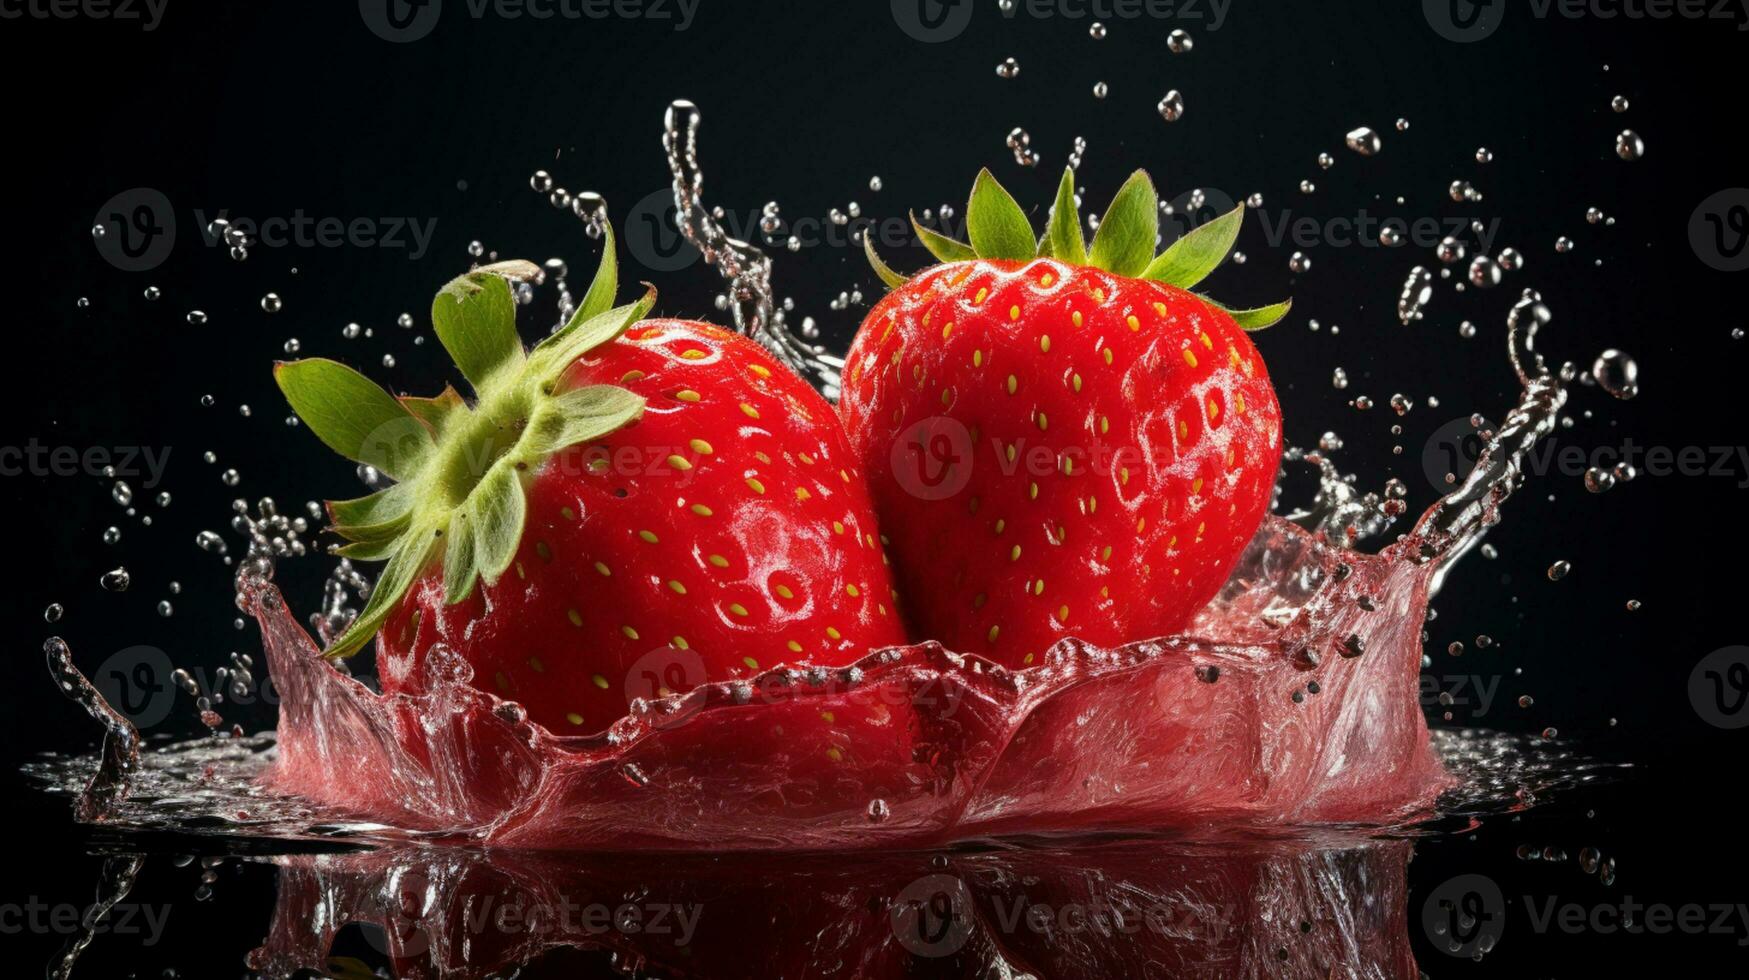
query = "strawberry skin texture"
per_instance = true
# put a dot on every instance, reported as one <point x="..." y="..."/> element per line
<point x="1123" y="441"/>
<point x="725" y="532"/>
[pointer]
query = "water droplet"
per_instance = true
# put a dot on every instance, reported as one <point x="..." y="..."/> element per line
<point x="1619" y="103"/>
<point x="1617" y="374"/>
<point x="271" y="303"/>
<point x="121" y="493"/>
<point x="1484" y="272"/>
<point x="1180" y="42"/>
<point x="1599" y="480"/>
<point x="541" y="182"/>
<point x="1417" y="292"/>
<point x="1563" y="244"/>
<point x="1559" y="570"/>
<point x="54" y="612"/>
<point x="1100" y="90"/>
<point x="116" y="580"/>
<point x="1299" y="263"/>
<point x="111" y="535"/>
<point x="1009" y="68"/>
<point x="1365" y="141"/>
<point x="1629" y="146"/>
<point x="1171" y="107"/>
<point x="1484" y="155"/>
<point x="1096" y="31"/>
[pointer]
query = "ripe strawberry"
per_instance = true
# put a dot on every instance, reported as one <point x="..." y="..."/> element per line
<point x="624" y="511"/>
<point x="1062" y="441"/>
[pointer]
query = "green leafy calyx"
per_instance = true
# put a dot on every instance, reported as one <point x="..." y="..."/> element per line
<point x="461" y="467"/>
<point x="1123" y="245"/>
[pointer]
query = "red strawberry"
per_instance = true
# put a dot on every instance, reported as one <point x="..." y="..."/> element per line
<point x="1062" y="441"/>
<point x="620" y="513"/>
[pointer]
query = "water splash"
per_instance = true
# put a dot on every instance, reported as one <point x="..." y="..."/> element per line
<point x="745" y="268"/>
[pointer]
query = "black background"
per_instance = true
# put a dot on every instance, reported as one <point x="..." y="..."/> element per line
<point x="267" y="108"/>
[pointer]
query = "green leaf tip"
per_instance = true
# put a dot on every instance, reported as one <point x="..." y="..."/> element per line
<point x="1190" y="259"/>
<point x="1259" y="318"/>
<point x="881" y="270"/>
<point x="1125" y="241"/>
<point x="460" y="501"/>
<point x="996" y="224"/>
<point x="1063" y="240"/>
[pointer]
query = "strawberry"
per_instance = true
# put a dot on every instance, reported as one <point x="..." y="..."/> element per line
<point x="1061" y="440"/>
<point x="629" y="509"/>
